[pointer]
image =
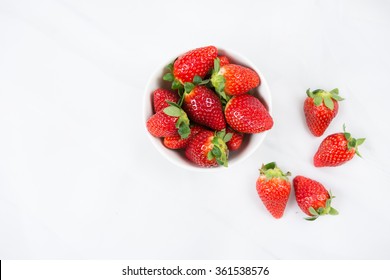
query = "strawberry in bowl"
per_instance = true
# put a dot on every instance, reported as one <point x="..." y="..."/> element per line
<point x="225" y="99"/>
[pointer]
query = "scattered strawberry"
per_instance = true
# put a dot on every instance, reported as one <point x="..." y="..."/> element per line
<point x="336" y="149"/>
<point x="170" y="121"/>
<point x="320" y="108"/>
<point x="203" y="106"/>
<point x="176" y="142"/>
<point x="313" y="198"/>
<point x="160" y="96"/>
<point x="208" y="149"/>
<point x="235" y="142"/>
<point x="273" y="188"/>
<point x="223" y="60"/>
<point x="233" y="79"/>
<point x="186" y="67"/>
<point x="245" y="113"/>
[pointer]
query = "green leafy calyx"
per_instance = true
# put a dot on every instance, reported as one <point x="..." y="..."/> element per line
<point x="218" y="81"/>
<point x="188" y="87"/>
<point x="271" y="170"/>
<point x="321" y="211"/>
<point x="321" y="96"/>
<point x="169" y="77"/>
<point x="182" y="123"/>
<point x="352" y="142"/>
<point x="219" y="151"/>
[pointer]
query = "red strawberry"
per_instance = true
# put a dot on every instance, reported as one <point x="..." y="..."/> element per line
<point x="170" y="121"/>
<point x="336" y="149"/>
<point x="196" y="62"/>
<point x="208" y="149"/>
<point x="245" y="113"/>
<point x="223" y="60"/>
<point x="273" y="188"/>
<point x="233" y="79"/>
<point x="313" y="198"/>
<point x="203" y="106"/>
<point x="320" y="108"/>
<point x="235" y="142"/>
<point x="160" y="96"/>
<point x="176" y="142"/>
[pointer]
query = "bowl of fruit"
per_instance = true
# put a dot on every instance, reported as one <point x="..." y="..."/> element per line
<point x="207" y="109"/>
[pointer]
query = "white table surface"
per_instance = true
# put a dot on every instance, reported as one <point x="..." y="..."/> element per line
<point x="79" y="179"/>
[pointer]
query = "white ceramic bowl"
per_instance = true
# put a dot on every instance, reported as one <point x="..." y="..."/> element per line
<point x="251" y="142"/>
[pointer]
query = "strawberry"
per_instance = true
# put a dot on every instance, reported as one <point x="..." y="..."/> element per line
<point x="233" y="79"/>
<point x="245" y="113"/>
<point x="176" y="142"/>
<point x="170" y="121"/>
<point x="235" y="142"/>
<point x="204" y="107"/>
<point x="320" y="108"/>
<point x="160" y="96"/>
<point x="208" y="149"/>
<point x="336" y="149"/>
<point x="313" y="198"/>
<point x="197" y="62"/>
<point x="223" y="60"/>
<point x="273" y="188"/>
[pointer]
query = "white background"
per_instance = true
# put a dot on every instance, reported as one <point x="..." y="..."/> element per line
<point x="79" y="179"/>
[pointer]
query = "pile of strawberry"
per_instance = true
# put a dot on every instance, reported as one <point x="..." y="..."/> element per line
<point x="209" y="108"/>
<point x="273" y="186"/>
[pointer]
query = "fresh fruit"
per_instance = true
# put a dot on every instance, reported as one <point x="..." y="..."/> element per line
<point x="208" y="149"/>
<point x="170" y="121"/>
<point x="273" y="188"/>
<point x="196" y="62"/>
<point x="235" y="142"/>
<point x="176" y="142"/>
<point x="200" y="81"/>
<point x="245" y="113"/>
<point x="160" y="96"/>
<point x="223" y="60"/>
<point x="203" y="106"/>
<point x="162" y="125"/>
<point x="320" y="108"/>
<point x="313" y="198"/>
<point x="233" y="79"/>
<point x="336" y="149"/>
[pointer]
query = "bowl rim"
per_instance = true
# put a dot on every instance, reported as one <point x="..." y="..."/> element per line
<point x="192" y="167"/>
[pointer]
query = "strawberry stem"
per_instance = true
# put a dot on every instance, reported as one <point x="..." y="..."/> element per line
<point x="271" y="170"/>
<point x="219" y="151"/>
<point x="183" y="122"/>
<point x="218" y="82"/>
<point x="321" y="211"/>
<point x="321" y="96"/>
<point x="352" y="142"/>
